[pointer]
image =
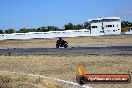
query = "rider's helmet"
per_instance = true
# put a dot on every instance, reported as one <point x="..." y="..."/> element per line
<point x="60" y="39"/>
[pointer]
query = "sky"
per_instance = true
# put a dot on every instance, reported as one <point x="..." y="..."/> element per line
<point x="18" y="14"/>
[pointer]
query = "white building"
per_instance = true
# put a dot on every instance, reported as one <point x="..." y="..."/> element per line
<point x="105" y="26"/>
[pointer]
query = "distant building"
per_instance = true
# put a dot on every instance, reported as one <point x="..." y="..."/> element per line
<point x="105" y="26"/>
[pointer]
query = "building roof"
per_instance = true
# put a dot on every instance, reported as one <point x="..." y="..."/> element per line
<point x="104" y="19"/>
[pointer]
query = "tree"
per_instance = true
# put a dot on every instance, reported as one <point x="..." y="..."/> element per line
<point x="23" y="30"/>
<point x="34" y="30"/>
<point x="86" y="25"/>
<point x="42" y="29"/>
<point x="125" y="25"/>
<point x="69" y="26"/>
<point x="1" y="32"/>
<point x="52" y="28"/>
<point x="79" y="26"/>
<point x="9" y="31"/>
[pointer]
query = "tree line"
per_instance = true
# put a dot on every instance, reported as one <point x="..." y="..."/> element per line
<point x="125" y="25"/>
<point x="68" y="26"/>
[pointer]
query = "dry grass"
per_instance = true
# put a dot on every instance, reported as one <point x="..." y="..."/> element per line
<point x="79" y="41"/>
<point x="18" y="81"/>
<point x="64" y="66"/>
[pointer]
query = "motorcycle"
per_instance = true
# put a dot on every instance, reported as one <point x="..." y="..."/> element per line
<point x="61" y="44"/>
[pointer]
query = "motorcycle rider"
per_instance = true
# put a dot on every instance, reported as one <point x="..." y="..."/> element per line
<point x="60" y="41"/>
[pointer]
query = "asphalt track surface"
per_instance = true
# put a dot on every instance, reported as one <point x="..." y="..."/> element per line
<point x="108" y="50"/>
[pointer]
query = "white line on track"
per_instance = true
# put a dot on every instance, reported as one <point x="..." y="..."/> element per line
<point x="50" y="78"/>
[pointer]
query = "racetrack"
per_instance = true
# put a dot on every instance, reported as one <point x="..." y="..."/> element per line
<point x="106" y="50"/>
